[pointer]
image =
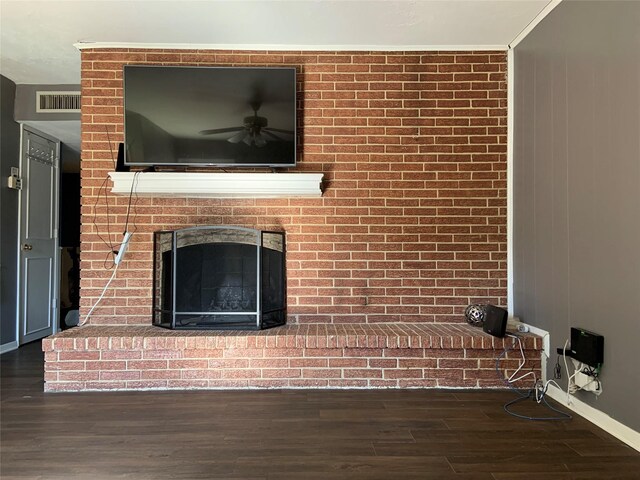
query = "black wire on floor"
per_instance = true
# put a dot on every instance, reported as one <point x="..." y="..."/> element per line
<point x="528" y="394"/>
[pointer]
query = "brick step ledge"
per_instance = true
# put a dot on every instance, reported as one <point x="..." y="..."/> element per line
<point x="379" y="335"/>
<point x="292" y="356"/>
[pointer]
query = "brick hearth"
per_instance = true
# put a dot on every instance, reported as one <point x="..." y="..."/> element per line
<point x="292" y="356"/>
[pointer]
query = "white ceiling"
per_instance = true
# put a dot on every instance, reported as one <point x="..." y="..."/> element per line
<point x="37" y="37"/>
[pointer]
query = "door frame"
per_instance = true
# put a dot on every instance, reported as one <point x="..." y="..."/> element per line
<point x="55" y="291"/>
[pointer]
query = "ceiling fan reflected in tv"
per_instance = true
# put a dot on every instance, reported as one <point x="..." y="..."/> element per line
<point x="255" y="129"/>
<point x="216" y="116"/>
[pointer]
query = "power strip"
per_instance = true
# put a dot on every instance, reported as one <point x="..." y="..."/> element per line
<point x="586" y="382"/>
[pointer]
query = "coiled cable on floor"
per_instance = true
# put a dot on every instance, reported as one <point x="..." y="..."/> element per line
<point x="537" y="393"/>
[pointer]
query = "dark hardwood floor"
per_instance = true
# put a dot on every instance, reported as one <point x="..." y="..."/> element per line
<point x="292" y="434"/>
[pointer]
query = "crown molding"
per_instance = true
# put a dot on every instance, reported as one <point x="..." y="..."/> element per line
<point x="295" y="48"/>
<point x="543" y="13"/>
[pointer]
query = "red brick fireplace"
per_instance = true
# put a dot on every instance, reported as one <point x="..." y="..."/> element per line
<point x="411" y="227"/>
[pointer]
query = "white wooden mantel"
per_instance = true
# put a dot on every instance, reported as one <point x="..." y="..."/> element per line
<point x="218" y="185"/>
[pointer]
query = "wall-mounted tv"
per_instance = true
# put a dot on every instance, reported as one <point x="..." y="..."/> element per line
<point x="217" y="116"/>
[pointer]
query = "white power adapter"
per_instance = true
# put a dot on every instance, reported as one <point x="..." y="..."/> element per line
<point x="123" y="247"/>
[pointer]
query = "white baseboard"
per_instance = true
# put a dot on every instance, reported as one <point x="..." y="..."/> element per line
<point x="595" y="416"/>
<point x="7" y="347"/>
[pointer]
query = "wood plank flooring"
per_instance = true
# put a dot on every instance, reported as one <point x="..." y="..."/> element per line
<point x="290" y="434"/>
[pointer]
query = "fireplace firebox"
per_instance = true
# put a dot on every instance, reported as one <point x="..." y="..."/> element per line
<point x="219" y="277"/>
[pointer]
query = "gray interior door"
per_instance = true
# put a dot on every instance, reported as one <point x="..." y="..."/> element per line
<point x="38" y="237"/>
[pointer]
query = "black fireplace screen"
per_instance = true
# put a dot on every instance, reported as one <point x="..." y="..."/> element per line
<point x="219" y="278"/>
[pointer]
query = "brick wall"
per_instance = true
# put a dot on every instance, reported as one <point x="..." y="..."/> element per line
<point x="412" y="225"/>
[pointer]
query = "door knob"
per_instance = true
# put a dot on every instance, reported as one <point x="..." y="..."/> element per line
<point x="26" y="246"/>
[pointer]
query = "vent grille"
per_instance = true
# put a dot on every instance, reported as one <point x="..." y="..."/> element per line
<point x="58" y="102"/>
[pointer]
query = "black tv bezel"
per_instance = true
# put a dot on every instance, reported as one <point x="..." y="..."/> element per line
<point x="213" y="164"/>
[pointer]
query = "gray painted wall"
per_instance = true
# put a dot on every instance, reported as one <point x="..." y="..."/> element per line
<point x="577" y="187"/>
<point x="63" y="126"/>
<point x="25" y="107"/>
<point x="9" y="157"/>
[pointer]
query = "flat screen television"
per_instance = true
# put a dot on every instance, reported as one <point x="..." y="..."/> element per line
<point x="216" y="116"/>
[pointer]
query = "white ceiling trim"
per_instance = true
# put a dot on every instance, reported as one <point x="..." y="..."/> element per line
<point x="543" y="13"/>
<point x="278" y="47"/>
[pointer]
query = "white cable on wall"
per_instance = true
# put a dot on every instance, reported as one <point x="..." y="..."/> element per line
<point x="113" y="275"/>
<point x="117" y="261"/>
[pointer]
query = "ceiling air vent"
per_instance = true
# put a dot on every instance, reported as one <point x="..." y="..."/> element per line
<point x="58" y="102"/>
